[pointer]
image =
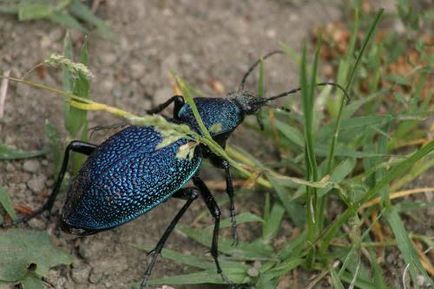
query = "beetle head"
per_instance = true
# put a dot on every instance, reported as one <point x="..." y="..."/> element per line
<point x="247" y="102"/>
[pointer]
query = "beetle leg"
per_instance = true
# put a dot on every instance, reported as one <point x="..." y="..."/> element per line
<point x="215" y="212"/>
<point x="177" y="99"/>
<point x="230" y="193"/>
<point x="190" y="194"/>
<point x="75" y="146"/>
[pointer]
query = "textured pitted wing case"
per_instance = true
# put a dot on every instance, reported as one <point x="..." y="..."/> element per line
<point x="124" y="178"/>
<point x="213" y="111"/>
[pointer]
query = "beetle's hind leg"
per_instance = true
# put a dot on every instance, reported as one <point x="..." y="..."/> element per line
<point x="75" y="146"/>
<point x="230" y="193"/>
<point x="215" y="212"/>
<point x="189" y="194"/>
<point x="177" y="99"/>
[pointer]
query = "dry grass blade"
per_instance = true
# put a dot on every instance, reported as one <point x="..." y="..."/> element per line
<point x="396" y="195"/>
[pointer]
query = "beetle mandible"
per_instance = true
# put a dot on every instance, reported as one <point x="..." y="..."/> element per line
<point x="128" y="174"/>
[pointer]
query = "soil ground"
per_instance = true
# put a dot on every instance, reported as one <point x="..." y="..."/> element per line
<point x="203" y="41"/>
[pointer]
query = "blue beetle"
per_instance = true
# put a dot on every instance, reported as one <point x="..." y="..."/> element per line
<point x="128" y="174"/>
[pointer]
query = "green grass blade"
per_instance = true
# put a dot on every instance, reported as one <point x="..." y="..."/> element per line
<point x="55" y="144"/>
<point x="390" y="175"/>
<point x="272" y="223"/>
<point x="404" y="244"/>
<point x="336" y="282"/>
<point x="399" y="170"/>
<point x="377" y="273"/>
<point x="79" y="84"/>
<point x="9" y="153"/>
<point x="6" y="203"/>
<point x="367" y="39"/>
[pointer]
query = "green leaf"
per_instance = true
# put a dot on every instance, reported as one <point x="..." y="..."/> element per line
<point x="9" y="153"/>
<point x="21" y="248"/>
<point x="296" y="212"/>
<point x="65" y="19"/>
<point x="83" y="12"/>
<point x="32" y="281"/>
<point x="29" y="10"/>
<point x="272" y="223"/>
<point x="6" y="202"/>
<point x="256" y="250"/>
<point x="242" y="218"/>
<point x="189" y="260"/>
<point x="204" y="277"/>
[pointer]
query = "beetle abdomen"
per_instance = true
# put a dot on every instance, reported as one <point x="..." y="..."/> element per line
<point x="124" y="178"/>
<point x="220" y="115"/>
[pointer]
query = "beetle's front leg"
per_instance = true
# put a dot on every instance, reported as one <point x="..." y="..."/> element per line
<point x="189" y="194"/>
<point x="75" y="146"/>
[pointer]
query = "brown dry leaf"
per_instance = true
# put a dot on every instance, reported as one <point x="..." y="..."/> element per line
<point x="426" y="262"/>
<point x="23" y="209"/>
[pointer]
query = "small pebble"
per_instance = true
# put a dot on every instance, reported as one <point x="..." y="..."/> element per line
<point x="31" y="166"/>
<point x="420" y="280"/>
<point x="95" y="277"/>
<point x="10" y="167"/>
<point x="108" y="58"/>
<point x="137" y="70"/>
<point x="37" y="183"/>
<point x="36" y="223"/>
<point x="81" y="273"/>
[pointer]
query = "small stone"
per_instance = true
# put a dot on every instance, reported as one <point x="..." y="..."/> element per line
<point x="36" y="223"/>
<point x="108" y="58"/>
<point x="81" y="273"/>
<point x="56" y="34"/>
<point x="31" y="166"/>
<point x="37" y="183"/>
<point x="84" y="253"/>
<point x="117" y="92"/>
<point x="137" y="70"/>
<point x="49" y="183"/>
<point x="390" y="259"/>
<point x="95" y="277"/>
<point x="10" y="167"/>
<point x="271" y="33"/>
<point x="107" y="84"/>
<point x="253" y="272"/>
<point x="420" y="280"/>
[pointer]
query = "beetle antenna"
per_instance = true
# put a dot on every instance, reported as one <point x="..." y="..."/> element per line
<point x="292" y="91"/>
<point x="243" y="80"/>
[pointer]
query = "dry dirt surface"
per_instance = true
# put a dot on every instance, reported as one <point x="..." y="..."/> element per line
<point x="206" y="42"/>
